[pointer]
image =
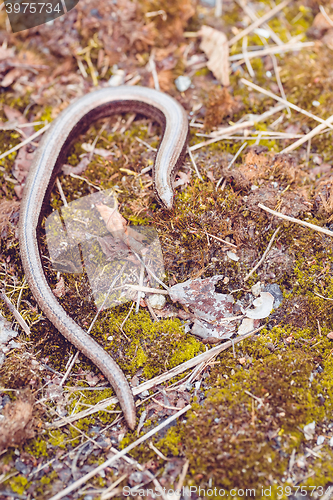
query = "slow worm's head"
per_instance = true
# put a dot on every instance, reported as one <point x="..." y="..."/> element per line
<point x="166" y="197"/>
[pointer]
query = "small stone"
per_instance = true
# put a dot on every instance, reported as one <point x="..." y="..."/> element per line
<point x="246" y="326"/>
<point x="232" y="256"/>
<point x="330" y="335"/>
<point x="256" y="289"/>
<point x="275" y="290"/>
<point x="157" y="300"/>
<point x="331" y="442"/>
<point x="320" y="440"/>
<point x="183" y="83"/>
<point x="118" y="78"/>
<point x="309" y="430"/>
<point x="242" y="361"/>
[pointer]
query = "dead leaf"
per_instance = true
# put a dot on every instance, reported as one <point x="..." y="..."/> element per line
<point x="214" y="44"/>
<point x="184" y="178"/>
<point x="117" y="225"/>
<point x="11" y="77"/>
<point x="59" y="290"/>
<point x="79" y="168"/>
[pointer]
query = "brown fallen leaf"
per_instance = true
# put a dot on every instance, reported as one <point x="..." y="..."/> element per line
<point x="59" y="290"/>
<point x="184" y="178"/>
<point x="117" y="225"/>
<point x="78" y="169"/>
<point x="11" y="77"/>
<point x="214" y="44"/>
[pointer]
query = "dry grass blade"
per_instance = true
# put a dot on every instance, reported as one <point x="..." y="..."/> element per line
<point x="297" y="221"/>
<point x="120" y="454"/>
<point x="26" y="141"/>
<point x="259" y="22"/>
<point x="287" y="103"/>
<point x="279" y="49"/>
<point x="191" y="363"/>
<point x="264" y="255"/>
<point x="15" y="313"/>
<point x="308" y="136"/>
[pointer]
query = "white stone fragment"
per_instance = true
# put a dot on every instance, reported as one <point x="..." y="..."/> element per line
<point x="263" y="306"/>
<point x="232" y="256"/>
<point x="246" y="326"/>
<point x="156" y="300"/>
<point x="256" y="289"/>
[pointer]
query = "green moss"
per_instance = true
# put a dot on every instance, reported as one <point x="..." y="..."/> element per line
<point x="19" y="484"/>
<point x="37" y="447"/>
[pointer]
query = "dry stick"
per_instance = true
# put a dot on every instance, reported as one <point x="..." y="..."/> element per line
<point x="194" y="163"/>
<point x="62" y="194"/>
<point x="324" y="13"/>
<point x="264" y="255"/>
<point x="26" y="141"/>
<point x="191" y="363"/>
<point x="279" y="49"/>
<point x="258" y="22"/>
<point x="220" y="239"/>
<point x="287" y="103"/>
<point x="308" y="136"/>
<point x="120" y="454"/>
<point x="238" y="126"/>
<point x="246" y="58"/>
<point x="297" y="221"/>
<point x="15" y="313"/>
<point x="253" y="16"/>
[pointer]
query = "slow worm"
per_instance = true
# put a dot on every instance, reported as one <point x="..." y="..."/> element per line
<point x="47" y="163"/>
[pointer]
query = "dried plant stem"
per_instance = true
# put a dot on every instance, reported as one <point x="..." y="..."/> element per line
<point x="287" y="103"/>
<point x="194" y="163"/>
<point x="253" y="16"/>
<point x="15" y="313"/>
<point x="264" y="255"/>
<point x="191" y="363"/>
<point x="308" y="136"/>
<point x="297" y="221"/>
<point x="26" y="141"/>
<point x="258" y="22"/>
<point x="278" y="49"/>
<point x="120" y="454"/>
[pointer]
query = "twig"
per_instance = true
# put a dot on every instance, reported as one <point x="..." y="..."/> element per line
<point x="218" y="8"/>
<point x="26" y="141"/>
<point x="324" y="13"/>
<point x="253" y="16"/>
<point x="15" y="313"/>
<point x="297" y="221"/>
<point x="220" y="239"/>
<point x="194" y="163"/>
<point x="264" y="255"/>
<point x="232" y="162"/>
<point x="105" y="495"/>
<point x="75" y="176"/>
<point x="147" y="289"/>
<point x="152" y="68"/>
<point x="120" y="454"/>
<point x="287" y="103"/>
<point x="142" y="272"/>
<point x="258" y="22"/>
<point x="62" y="195"/>
<point x="308" y="136"/>
<point x="275" y="49"/>
<point x="246" y="58"/>
<point x="144" y="143"/>
<point x="191" y="363"/>
<point x="322" y="297"/>
<point x="181" y="480"/>
<point x="158" y="452"/>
